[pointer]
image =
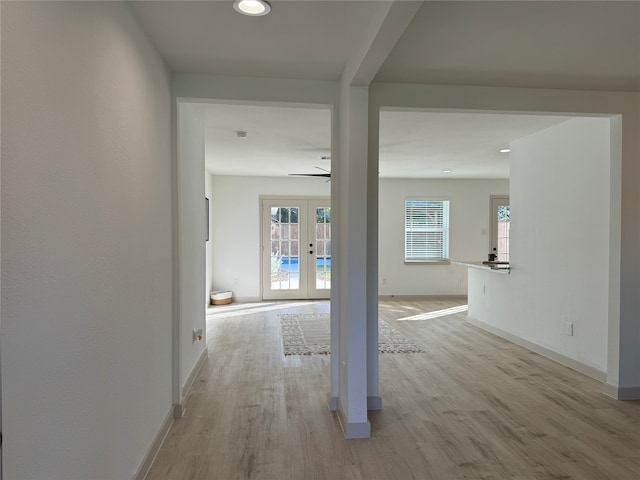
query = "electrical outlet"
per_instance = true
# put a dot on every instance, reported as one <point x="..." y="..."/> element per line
<point x="568" y="328"/>
<point x="197" y="335"/>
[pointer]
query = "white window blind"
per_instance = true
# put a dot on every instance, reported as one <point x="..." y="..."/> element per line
<point x="426" y="230"/>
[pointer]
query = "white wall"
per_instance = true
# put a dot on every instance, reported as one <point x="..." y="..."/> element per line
<point x="235" y="231"/>
<point x="468" y="234"/>
<point x="236" y="245"/>
<point x="86" y="247"/>
<point x="208" y="188"/>
<point x="192" y="238"/>
<point x="559" y="244"/>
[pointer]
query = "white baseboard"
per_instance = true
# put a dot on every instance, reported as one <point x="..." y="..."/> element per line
<point x="621" y="393"/>
<point x="374" y="403"/>
<point x="353" y="430"/>
<point x="247" y="299"/>
<point x="454" y="296"/>
<point x="175" y="412"/>
<point x="178" y="411"/>
<point x="179" y="408"/>
<point x="148" y="459"/>
<point x="545" y="352"/>
<point x="194" y="372"/>
<point x="628" y="393"/>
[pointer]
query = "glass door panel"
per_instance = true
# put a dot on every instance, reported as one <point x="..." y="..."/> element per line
<point x="504" y="225"/>
<point x="285" y="249"/>
<point x="500" y="227"/>
<point x="322" y="264"/>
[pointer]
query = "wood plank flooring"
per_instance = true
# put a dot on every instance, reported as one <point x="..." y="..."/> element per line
<point x="472" y="406"/>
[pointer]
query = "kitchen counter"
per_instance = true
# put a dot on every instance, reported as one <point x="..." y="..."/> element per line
<point x="497" y="268"/>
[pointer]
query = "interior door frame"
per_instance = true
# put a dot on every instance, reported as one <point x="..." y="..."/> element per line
<point x="294" y="200"/>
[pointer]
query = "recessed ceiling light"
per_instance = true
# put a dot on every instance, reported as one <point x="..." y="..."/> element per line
<point x="447" y="171"/>
<point x="505" y="150"/>
<point x="253" y="8"/>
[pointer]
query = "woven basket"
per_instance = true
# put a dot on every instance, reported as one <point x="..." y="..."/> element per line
<point x="221" y="298"/>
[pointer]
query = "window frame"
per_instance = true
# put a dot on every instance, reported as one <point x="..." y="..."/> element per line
<point x="444" y="258"/>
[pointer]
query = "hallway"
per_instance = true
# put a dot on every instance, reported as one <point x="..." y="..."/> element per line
<point x="470" y="406"/>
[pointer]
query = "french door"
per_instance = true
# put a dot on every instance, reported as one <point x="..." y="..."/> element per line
<point x="296" y="248"/>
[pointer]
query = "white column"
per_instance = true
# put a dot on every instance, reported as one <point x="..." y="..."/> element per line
<point x="623" y="371"/>
<point x="336" y="204"/>
<point x="354" y="340"/>
<point x="374" y="401"/>
<point x="352" y="306"/>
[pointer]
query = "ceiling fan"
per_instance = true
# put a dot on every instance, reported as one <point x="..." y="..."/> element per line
<point x="326" y="174"/>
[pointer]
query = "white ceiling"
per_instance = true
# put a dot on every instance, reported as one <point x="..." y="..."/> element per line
<point x="550" y="44"/>
<point x="593" y="45"/>
<point x="413" y="144"/>
<point x="578" y="45"/>
<point x="298" y="39"/>
<point x="423" y="144"/>
<point x="280" y="140"/>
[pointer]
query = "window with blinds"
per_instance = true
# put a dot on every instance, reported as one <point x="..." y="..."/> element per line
<point x="426" y="230"/>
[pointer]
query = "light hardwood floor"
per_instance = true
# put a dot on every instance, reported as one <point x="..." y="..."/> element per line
<point x="472" y="406"/>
